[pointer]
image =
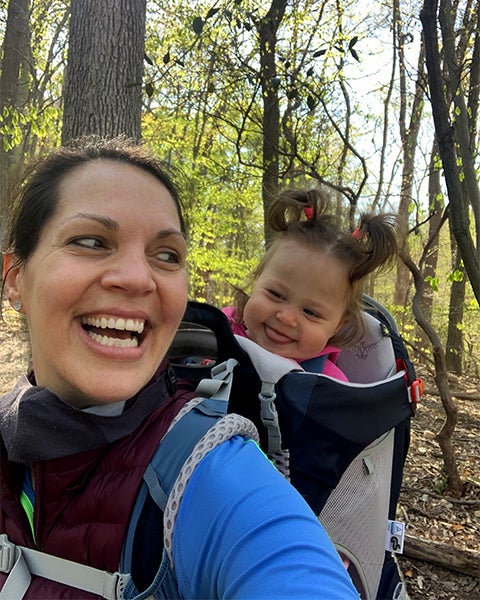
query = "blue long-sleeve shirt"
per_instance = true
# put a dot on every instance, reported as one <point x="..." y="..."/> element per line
<point x="243" y="532"/>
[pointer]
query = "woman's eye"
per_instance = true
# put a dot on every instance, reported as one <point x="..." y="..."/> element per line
<point x="168" y="256"/>
<point x="87" y="242"/>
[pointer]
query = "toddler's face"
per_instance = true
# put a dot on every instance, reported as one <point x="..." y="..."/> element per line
<point x="298" y="302"/>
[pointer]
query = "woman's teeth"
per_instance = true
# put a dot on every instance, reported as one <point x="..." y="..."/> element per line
<point x="121" y="324"/>
<point x="104" y="340"/>
<point x="112" y="324"/>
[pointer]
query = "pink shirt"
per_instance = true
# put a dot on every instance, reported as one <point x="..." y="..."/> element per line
<point x="332" y="352"/>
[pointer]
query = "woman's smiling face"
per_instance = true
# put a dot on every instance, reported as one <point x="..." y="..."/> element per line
<point x="106" y="286"/>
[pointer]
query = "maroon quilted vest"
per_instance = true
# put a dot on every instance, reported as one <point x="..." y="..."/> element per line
<point x="83" y="502"/>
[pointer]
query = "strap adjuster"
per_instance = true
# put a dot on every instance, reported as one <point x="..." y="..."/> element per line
<point x="7" y="554"/>
<point x="269" y="416"/>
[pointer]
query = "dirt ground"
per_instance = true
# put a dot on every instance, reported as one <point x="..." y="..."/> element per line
<point x="428" y="513"/>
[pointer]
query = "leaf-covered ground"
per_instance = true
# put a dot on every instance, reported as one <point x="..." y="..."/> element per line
<point x="429" y="513"/>
<point x="426" y="510"/>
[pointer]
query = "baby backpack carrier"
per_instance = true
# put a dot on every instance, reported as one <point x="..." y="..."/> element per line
<point x="341" y="444"/>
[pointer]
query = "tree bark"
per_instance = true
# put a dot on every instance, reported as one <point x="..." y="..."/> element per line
<point x="447" y="142"/>
<point x="409" y="137"/>
<point x="103" y="80"/>
<point x="267" y="30"/>
<point x="454" y="345"/>
<point x="16" y="46"/>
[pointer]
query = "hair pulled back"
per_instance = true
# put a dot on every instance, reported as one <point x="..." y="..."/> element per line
<point x="34" y="199"/>
<point x="302" y="216"/>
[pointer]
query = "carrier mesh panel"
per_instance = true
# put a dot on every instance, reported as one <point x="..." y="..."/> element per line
<point x="356" y="513"/>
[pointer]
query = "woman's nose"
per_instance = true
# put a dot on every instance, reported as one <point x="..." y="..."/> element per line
<point x="131" y="272"/>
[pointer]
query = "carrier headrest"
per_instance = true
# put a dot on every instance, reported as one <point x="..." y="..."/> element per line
<point x="373" y="358"/>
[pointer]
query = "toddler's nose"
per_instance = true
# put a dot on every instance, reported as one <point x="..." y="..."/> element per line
<point x="287" y="316"/>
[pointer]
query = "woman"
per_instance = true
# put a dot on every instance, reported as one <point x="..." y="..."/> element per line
<point x="96" y="262"/>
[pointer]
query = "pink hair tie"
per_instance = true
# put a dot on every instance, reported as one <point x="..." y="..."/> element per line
<point x="308" y="210"/>
<point x="358" y="234"/>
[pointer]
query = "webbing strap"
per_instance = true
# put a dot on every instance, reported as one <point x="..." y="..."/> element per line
<point x="19" y="579"/>
<point x="220" y="384"/>
<point x="269" y="416"/>
<point x="22" y="562"/>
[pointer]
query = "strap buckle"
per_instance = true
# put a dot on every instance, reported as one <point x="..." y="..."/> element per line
<point x="415" y="391"/>
<point x="7" y="554"/>
<point x="119" y="582"/>
<point x="269" y="416"/>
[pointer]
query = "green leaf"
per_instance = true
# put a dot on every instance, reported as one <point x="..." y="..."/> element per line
<point x="433" y="281"/>
<point x="197" y="25"/>
<point x="149" y="89"/>
<point x="352" y="42"/>
<point x="354" y="54"/>
<point x="457" y="275"/>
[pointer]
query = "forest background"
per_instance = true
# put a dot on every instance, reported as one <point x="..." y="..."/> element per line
<point x="374" y="102"/>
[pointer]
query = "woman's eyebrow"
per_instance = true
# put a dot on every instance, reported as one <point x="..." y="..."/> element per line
<point x="165" y="233"/>
<point x="107" y="222"/>
<point x="112" y="225"/>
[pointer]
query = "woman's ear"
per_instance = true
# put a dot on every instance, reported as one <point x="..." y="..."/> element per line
<point x="11" y="272"/>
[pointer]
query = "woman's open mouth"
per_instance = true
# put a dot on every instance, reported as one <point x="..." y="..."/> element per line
<point x="114" y="331"/>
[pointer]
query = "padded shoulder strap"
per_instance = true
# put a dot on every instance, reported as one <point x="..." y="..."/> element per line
<point x="201" y="425"/>
<point x="225" y="428"/>
<point x="270" y="368"/>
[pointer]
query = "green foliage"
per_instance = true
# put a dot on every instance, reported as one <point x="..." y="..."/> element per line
<point x="222" y="207"/>
<point x="433" y="281"/>
<point x="457" y="275"/>
<point x="15" y="123"/>
<point x="204" y="115"/>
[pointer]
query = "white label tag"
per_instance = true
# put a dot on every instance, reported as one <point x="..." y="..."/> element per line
<point x="395" y="537"/>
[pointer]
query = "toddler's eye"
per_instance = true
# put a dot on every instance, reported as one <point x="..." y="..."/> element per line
<point x="275" y="294"/>
<point x="311" y="313"/>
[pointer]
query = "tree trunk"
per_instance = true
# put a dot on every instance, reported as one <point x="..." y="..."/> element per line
<point x="16" y="46"/>
<point x="448" y="140"/>
<point x="444" y="437"/>
<point x="267" y="30"/>
<point x="409" y="137"/>
<point x="455" y="317"/>
<point x="103" y="80"/>
<point x="434" y="223"/>
<point x="455" y="559"/>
